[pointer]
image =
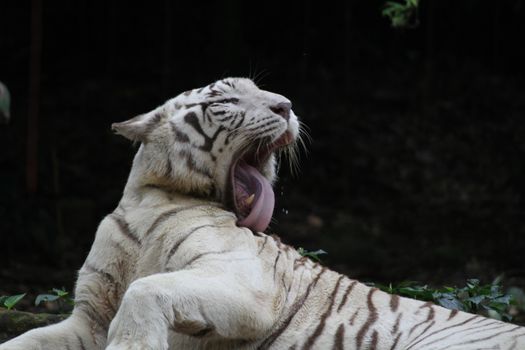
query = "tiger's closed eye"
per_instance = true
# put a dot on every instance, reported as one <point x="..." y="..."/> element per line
<point x="232" y="100"/>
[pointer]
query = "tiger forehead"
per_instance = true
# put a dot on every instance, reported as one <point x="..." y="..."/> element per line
<point x="224" y="87"/>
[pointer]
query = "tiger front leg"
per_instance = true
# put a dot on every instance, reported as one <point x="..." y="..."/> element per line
<point x="190" y="302"/>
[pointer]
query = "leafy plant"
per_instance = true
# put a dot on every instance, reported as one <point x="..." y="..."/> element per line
<point x="10" y="301"/>
<point x="401" y="15"/>
<point x="488" y="300"/>
<point x="312" y="255"/>
<point x="61" y="296"/>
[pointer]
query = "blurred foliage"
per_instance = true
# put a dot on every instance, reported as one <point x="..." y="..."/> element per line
<point x="59" y="296"/>
<point x="416" y="167"/>
<point x="401" y="15"/>
<point x="488" y="300"/>
<point x="5" y="104"/>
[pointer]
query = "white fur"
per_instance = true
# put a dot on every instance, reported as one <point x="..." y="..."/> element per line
<point x="170" y="269"/>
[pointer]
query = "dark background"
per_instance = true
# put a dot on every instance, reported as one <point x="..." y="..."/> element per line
<point x="415" y="172"/>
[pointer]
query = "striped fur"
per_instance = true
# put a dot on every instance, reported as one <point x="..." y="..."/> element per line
<point x="170" y="268"/>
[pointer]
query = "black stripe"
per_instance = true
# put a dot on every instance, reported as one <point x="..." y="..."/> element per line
<point x="424" y="330"/>
<point x="91" y="313"/>
<point x="227" y="82"/>
<point x="214" y="93"/>
<point x="373" y="342"/>
<point x="275" y="264"/>
<point x="92" y="269"/>
<point x="262" y="246"/>
<point x="395" y="328"/>
<point x="124" y="228"/>
<point x="227" y="100"/>
<point x="241" y="116"/>
<point x="319" y="330"/>
<point x="255" y="233"/>
<point x="442" y="330"/>
<point x="191" y="119"/>
<point x="299" y="262"/>
<point x="473" y="341"/>
<point x="80" y="342"/>
<point x="198" y="256"/>
<point x="177" y="244"/>
<point x="179" y="135"/>
<point x="352" y="319"/>
<point x="287" y="288"/>
<point x="102" y="300"/>
<point x="269" y="130"/>
<point x="339" y="338"/>
<point x="372" y="318"/>
<point x="225" y="118"/>
<point x="271" y="122"/>
<point x="453" y="313"/>
<point x="169" y="167"/>
<point x="480" y="329"/>
<point x="252" y="121"/>
<point x="191" y="164"/>
<point x="396" y="341"/>
<point x="168" y="214"/>
<point x="345" y="296"/>
<point x="394" y="302"/>
<point x="298" y="304"/>
<point x="151" y="124"/>
<point x="430" y="317"/>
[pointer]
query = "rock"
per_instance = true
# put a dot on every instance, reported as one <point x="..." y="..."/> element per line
<point x="14" y="323"/>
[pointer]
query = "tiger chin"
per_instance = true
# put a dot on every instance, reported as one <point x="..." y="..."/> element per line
<point x="182" y="262"/>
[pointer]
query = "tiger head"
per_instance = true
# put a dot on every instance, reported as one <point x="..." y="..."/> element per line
<point x="218" y="142"/>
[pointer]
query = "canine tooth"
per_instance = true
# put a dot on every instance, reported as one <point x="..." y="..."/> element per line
<point x="250" y="199"/>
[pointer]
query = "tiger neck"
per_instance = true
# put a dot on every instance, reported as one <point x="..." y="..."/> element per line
<point x="141" y="191"/>
<point x="149" y="172"/>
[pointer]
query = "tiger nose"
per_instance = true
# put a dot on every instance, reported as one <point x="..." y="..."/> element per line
<point x="283" y="109"/>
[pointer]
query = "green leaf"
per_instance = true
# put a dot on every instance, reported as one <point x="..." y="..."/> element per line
<point x="60" y="292"/>
<point x="476" y="299"/>
<point x="504" y="299"/>
<point x="450" y="302"/>
<point x="494" y="314"/>
<point x="472" y="283"/>
<point x="400" y="14"/>
<point x="506" y="317"/>
<point x="319" y="252"/>
<point x="11" y="301"/>
<point x="311" y="255"/>
<point x="45" y="297"/>
<point x="497" y="280"/>
<point x="398" y="21"/>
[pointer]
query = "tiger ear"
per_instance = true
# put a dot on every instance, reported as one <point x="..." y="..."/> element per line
<point x="138" y="128"/>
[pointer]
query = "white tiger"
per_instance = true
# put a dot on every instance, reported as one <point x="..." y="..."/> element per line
<point x="180" y="265"/>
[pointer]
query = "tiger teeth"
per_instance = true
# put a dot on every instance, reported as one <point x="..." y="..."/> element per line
<point x="250" y="199"/>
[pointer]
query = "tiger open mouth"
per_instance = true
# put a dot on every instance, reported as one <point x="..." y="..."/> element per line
<point x="253" y="197"/>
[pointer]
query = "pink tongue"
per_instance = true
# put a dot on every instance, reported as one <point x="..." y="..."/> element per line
<point x="262" y="207"/>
